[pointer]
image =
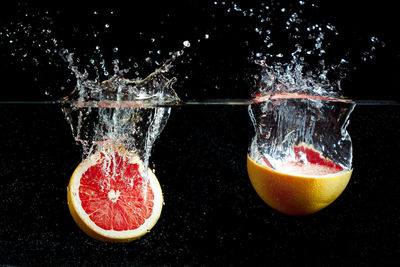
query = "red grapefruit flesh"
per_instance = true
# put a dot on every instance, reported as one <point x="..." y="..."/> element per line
<point x="111" y="200"/>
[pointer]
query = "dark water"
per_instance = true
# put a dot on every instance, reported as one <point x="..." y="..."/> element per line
<point x="211" y="215"/>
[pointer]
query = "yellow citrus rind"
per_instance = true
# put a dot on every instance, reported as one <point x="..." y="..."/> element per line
<point x="296" y="195"/>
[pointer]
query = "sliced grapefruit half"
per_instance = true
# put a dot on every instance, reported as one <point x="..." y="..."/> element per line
<point x="117" y="205"/>
<point x="296" y="187"/>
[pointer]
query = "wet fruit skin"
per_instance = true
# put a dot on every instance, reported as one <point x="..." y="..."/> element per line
<point x="295" y="195"/>
<point x="89" y="231"/>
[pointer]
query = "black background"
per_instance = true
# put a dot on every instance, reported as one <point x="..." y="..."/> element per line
<point x="212" y="216"/>
<point x="218" y="67"/>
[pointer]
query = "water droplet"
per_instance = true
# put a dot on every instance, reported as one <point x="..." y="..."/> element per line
<point x="115" y="49"/>
<point x="206" y="36"/>
<point x="186" y="44"/>
<point x="107" y="26"/>
<point x="374" y="39"/>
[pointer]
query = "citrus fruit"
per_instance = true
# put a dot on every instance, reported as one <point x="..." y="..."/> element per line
<point x="110" y="200"/>
<point x="298" y="188"/>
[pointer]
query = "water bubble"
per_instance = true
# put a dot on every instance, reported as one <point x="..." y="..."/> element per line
<point x="331" y="27"/>
<point x="115" y="49"/>
<point x="374" y="39"/>
<point x="186" y="44"/>
<point x="107" y="26"/>
<point x="236" y="8"/>
<point x="206" y="36"/>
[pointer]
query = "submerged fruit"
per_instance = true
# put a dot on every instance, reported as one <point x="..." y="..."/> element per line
<point x="298" y="188"/>
<point x="111" y="200"/>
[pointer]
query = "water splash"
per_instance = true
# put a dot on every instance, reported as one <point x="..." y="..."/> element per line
<point x="120" y="116"/>
<point x="284" y="123"/>
<point x="297" y="101"/>
<point x="108" y="111"/>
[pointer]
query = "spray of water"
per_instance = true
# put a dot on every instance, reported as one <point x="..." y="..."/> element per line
<point x="297" y="100"/>
<point x="109" y="112"/>
<point x="119" y="116"/>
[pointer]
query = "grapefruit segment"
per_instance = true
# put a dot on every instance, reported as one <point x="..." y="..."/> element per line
<point x="110" y="200"/>
<point x="315" y="157"/>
